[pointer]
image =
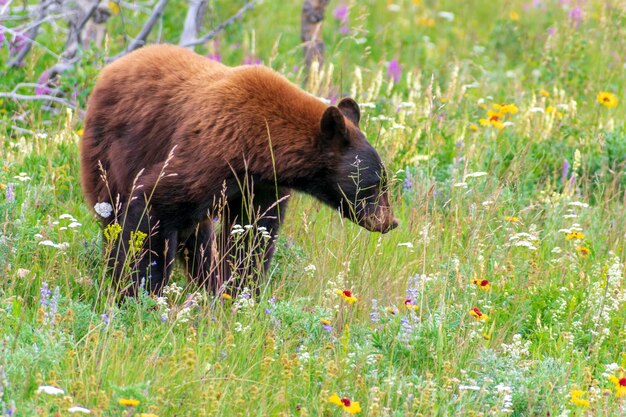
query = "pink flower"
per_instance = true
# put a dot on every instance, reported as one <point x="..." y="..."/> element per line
<point x="341" y="13"/>
<point x="394" y="70"/>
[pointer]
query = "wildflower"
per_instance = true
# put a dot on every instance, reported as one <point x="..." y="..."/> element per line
<point x="104" y="209"/>
<point x="350" y="407"/>
<point x="394" y="70"/>
<point x="9" y="193"/>
<point x="112" y="231"/>
<point x="50" y="390"/>
<point x="620" y="384"/>
<point x="480" y="316"/>
<point x="128" y="402"/>
<point x="483" y="284"/>
<point x="607" y="99"/>
<point x="505" y="108"/>
<point x="553" y="110"/>
<point x="576" y="15"/>
<point x="576" y="398"/>
<point x="575" y="235"/>
<point x="226" y="296"/>
<point x="79" y="409"/>
<point x="428" y="22"/>
<point x="514" y="16"/>
<point x="410" y="304"/>
<point x="493" y="119"/>
<point x="147" y="415"/>
<point x="114" y="7"/>
<point x="473" y="127"/>
<point x="326" y="325"/>
<point x="511" y="219"/>
<point x="544" y="93"/>
<point x="347" y="295"/>
<point x="583" y="250"/>
<point x="341" y="13"/>
<point x="374" y="314"/>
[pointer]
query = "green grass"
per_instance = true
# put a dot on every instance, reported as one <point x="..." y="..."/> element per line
<point x="556" y="319"/>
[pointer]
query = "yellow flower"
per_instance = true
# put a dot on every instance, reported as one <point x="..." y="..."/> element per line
<point x="483" y="284"/>
<point x="114" y="7"/>
<point x="553" y="110"/>
<point x="583" y="250"/>
<point x="544" y="93"/>
<point x="348" y="296"/>
<point x="126" y="402"/>
<point x="620" y="384"/>
<point x="505" y="108"/>
<point x="473" y="127"/>
<point x="146" y="415"/>
<point x="607" y="99"/>
<point x="577" y="400"/>
<point x="511" y="219"/>
<point x="80" y="132"/>
<point x="476" y="313"/>
<point x="493" y="118"/>
<point x="226" y="296"/>
<point x="514" y="16"/>
<point x="417" y="2"/>
<point x="575" y="235"/>
<point x="350" y="407"/>
<point x="428" y="22"/>
<point x="325" y="322"/>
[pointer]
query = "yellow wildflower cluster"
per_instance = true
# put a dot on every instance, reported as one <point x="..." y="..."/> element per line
<point x="497" y="114"/>
<point x="577" y="399"/>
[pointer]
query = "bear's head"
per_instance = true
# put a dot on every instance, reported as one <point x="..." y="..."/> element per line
<point x="353" y="178"/>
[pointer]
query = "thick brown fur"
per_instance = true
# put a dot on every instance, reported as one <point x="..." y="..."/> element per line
<point x="228" y="134"/>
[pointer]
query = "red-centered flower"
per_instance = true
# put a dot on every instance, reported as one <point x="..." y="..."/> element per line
<point x="478" y="315"/>
<point x="351" y="407"/>
<point x="483" y="284"/>
<point x="347" y="296"/>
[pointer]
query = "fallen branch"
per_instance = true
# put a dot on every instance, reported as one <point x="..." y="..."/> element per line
<point x="221" y="26"/>
<point x="42" y="97"/>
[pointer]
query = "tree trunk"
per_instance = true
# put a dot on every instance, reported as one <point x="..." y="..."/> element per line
<point x="311" y="33"/>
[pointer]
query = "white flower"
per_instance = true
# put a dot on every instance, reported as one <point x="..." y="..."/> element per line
<point x="578" y="204"/>
<point x="446" y="15"/>
<point x="407" y="244"/>
<point x="49" y="389"/>
<point x="66" y="216"/>
<point x="394" y="7"/>
<point x="22" y="177"/>
<point x="74" y="225"/>
<point x="79" y="409"/>
<point x="537" y="110"/>
<point x="461" y="185"/>
<point x="103" y="209"/>
<point x="310" y="268"/>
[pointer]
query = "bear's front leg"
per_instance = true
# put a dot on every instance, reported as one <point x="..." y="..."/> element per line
<point x="142" y="255"/>
<point x="248" y="237"/>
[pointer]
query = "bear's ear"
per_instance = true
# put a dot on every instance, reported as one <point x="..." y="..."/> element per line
<point x="350" y="109"/>
<point x="333" y="123"/>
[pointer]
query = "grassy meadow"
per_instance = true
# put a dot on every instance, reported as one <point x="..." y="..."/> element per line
<point x="501" y="293"/>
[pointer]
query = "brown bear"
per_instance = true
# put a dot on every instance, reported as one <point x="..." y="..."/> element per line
<point x="185" y="150"/>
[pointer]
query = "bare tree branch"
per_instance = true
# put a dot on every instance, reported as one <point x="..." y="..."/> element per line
<point x="22" y="97"/>
<point x="221" y="26"/>
<point x="311" y="31"/>
<point x="140" y="40"/>
<point x="193" y="21"/>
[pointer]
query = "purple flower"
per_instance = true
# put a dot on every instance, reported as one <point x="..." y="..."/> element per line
<point x="341" y="13"/>
<point x="394" y="70"/>
<point x="551" y="31"/>
<point x="344" y="30"/>
<point x="10" y="193"/>
<point x="327" y="328"/>
<point x="407" y="185"/>
<point x="564" y="170"/>
<point x="54" y="306"/>
<point x="44" y="295"/>
<point x="215" y="57"/>
<point x="163" y="318"/>
<point x="251" y="60"/>
<point x="576" y="15"/>
<point x="412" y="291"/>
<point x="19" y="42"/>
<point x="375" y="314"/>
<point x="42" y="87"/>
<point x="268" y="311"/>
<point x="105" y="319"/>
